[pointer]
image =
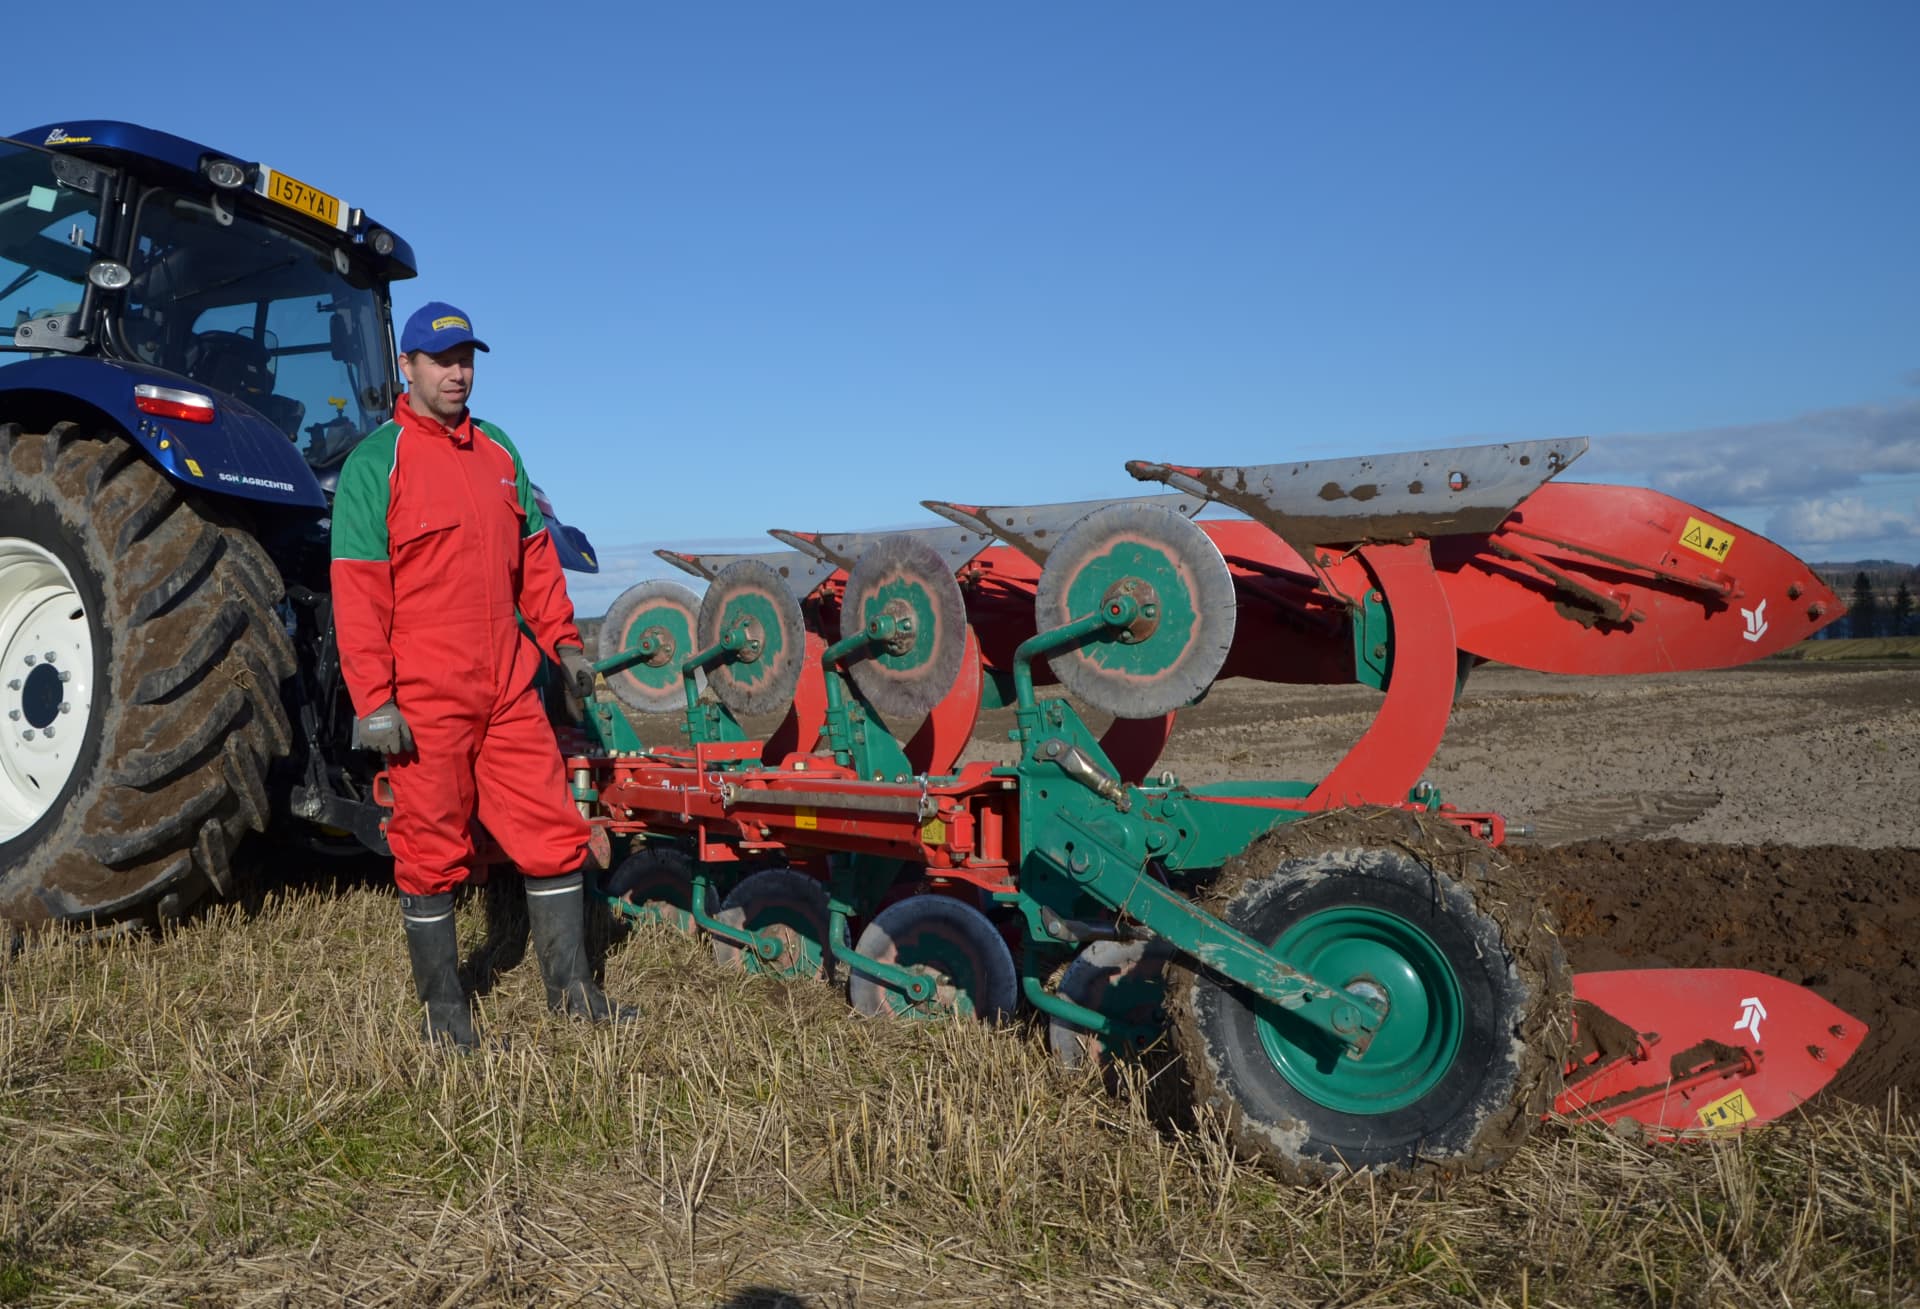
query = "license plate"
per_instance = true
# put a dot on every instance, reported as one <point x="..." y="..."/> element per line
<point x="298" y="196"/>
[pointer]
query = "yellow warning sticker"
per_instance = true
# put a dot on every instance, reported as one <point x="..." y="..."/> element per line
<point x="1706" y="539"/>
<point x="934" y="831"/>
<point x="806" y="818"/>
<point x="1728" y="1111"/>
<point x="194" y="468"/>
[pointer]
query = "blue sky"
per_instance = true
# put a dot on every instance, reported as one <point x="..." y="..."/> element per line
<point x="804" y="264"/>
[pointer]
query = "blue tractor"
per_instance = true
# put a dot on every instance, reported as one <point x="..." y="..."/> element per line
<point x="190" y="344"/>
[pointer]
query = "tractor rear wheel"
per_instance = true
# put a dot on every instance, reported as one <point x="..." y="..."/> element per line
<point x="140" y="667"/>
<point x="1410" y="911"/>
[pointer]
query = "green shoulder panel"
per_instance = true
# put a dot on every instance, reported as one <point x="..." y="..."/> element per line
<point x="536" y="521"/>
<point x="360" y="501"/>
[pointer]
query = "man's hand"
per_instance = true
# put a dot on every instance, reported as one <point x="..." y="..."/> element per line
<point x="578" y="668"/>
<point x="383" y="730"/>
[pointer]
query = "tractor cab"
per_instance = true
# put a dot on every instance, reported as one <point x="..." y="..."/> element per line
<point x="224" y="275"/>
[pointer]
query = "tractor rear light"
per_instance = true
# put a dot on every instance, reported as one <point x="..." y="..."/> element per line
<point x="223" y="173"/>
<point x="109" y="275"/>
<point x="169" y="402"/>
<point x="381" y="240"/>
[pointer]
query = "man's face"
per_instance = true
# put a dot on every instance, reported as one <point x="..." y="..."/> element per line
<point x="438" y="384"/>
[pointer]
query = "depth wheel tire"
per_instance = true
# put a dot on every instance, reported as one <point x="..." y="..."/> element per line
<point x="1405" y="908"/>
<point x="951" y="942"/>
<point x="658" y="880"/>
<point x="789" y="906"/>
<point x="174" y="656"/>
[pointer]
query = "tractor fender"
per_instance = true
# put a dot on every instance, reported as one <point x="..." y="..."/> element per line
<point x="239" y="454"/>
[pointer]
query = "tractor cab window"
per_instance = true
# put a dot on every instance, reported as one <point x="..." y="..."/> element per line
<point x="289" y="325"/>
<point x="46" y="239"/>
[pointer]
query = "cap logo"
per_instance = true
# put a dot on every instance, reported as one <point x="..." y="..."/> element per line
<point x="441" y="324"/>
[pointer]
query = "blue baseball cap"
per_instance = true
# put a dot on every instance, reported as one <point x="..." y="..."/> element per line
<point x="436" y="326"/>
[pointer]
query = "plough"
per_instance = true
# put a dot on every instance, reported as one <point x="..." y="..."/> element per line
<point x="1354" y="977"/>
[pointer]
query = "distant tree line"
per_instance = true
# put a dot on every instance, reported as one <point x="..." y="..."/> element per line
<point x="1879" y="600"/>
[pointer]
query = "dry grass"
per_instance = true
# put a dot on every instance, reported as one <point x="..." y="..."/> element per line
<point x="240" y="1114"/>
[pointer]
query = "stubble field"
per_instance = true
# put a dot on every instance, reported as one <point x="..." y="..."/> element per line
<point x="239" y="1113"/>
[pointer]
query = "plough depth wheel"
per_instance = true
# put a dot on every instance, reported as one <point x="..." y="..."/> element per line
<point x="951" y="942"/>
<point x="1125" y="981"/>
<point x="659" y="880"/>
<point x="1411" y="912"/>
<point x="788" y="906"/>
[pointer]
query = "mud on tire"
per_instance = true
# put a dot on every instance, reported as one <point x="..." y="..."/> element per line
<point x="182" y="714"/>
<point x="1371" y="886"/>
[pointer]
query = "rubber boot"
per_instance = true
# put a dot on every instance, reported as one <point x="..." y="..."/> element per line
<point x="556" y="911"/>
<point x="433" y="943"/>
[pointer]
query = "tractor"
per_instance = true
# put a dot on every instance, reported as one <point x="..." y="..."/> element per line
<point x="193" y="342"/>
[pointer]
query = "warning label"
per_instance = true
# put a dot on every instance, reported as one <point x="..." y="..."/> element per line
<point x="807" y="819"/>
<point x="1728" y="1111"/>
<point x="1706" y="539"/>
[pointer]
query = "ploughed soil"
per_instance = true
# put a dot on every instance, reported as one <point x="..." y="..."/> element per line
<point x="1766" y="817"/>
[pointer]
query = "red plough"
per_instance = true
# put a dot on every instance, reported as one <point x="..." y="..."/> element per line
<point x="1345" y="987"/>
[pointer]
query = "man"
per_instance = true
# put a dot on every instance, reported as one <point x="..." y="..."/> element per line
<point x="438" y="547"/>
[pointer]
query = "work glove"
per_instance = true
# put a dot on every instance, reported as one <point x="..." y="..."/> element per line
<point x="383" y="730"/>
<point x="579" y="670"/>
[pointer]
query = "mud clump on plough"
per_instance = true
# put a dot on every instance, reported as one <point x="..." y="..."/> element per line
<point x="1354" y="974"/>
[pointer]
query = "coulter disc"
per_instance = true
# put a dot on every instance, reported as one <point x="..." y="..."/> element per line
<point x="664" y="611"/>
<point x="759" y="677"/>
<point x="906" y="580"/>
<point x="1173" y="571"/>
<point x="947" y="940"/>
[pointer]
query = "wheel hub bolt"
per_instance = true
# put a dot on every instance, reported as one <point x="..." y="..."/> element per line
<point x="49" y="731"/>
<point x="65" y="676"/>
<point x="14" y="714"/>
<point x="31" y="661"/>
<point x="50" y="656"/>
<point x="27" y="735"/>
<point x="66" y="706"/>
<point x="14" y="685"/>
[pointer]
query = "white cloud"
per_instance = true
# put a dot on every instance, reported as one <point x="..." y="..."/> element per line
<point x="1787" y="462"/>
<point x="1845" y="519"/>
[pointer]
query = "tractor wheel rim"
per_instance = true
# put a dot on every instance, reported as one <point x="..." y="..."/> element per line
<point x="46" y="682"/>
<point x="1374" y="954"/>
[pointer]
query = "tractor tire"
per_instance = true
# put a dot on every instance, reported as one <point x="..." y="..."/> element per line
<point x="1408" y="909"/>
<point x="164" y="689"/>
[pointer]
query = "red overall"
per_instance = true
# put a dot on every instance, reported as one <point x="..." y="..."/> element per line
<point x="432" y="625"/>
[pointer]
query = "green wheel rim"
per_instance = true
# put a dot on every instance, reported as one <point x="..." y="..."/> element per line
<point x="1370" y="952"/>
<point x="798" y="932"/>
<point x="954" y="968"/>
